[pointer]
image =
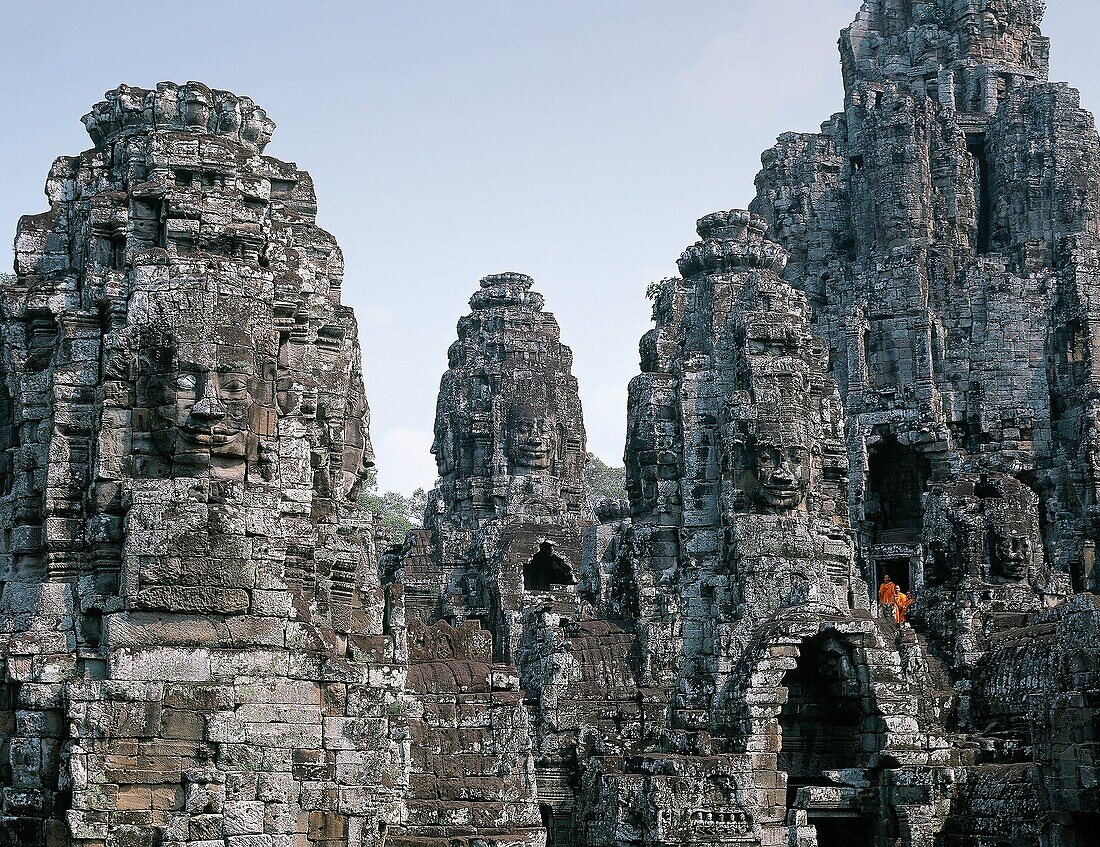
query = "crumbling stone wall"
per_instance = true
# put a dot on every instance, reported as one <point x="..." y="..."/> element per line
<point x="472" y="776"/>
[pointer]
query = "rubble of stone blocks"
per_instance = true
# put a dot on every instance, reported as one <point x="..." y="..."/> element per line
<point x="884" y="367"/>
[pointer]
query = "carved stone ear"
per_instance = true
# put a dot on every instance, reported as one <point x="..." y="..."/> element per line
<point x="268" y="459"/>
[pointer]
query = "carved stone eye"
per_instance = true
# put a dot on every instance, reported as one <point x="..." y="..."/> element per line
<point x="186" y="382"/>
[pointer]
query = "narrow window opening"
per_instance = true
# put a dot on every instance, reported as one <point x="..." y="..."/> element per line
<point x="932" y="87"/>
<point x="146" y="224"/>
<point x="118" y="253"/>
<point x="844" y="830"/>
<point x="387" y="611"/>
<point x="975" y="144"/>
<point x="42" y="339"/>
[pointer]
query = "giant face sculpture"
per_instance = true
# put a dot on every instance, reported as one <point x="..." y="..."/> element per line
<point x="1009" y="554"/>
<point x="981" y="526"/>
<point x="1010" y="510"/>
<point x="211" y="403"/>
<point x="780" y="473"/>
<point x="530" y="440"/>
<point x="443" y="447"/>
<point x="206" y="388"/>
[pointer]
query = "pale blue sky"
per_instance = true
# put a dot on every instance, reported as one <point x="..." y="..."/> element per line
<point x="574" y="141"/>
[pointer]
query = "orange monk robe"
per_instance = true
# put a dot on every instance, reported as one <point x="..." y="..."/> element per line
<point x="887" y="593"/>
<point x="901" y="603"/>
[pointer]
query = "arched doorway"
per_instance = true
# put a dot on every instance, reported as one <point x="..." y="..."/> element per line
<point x="824" y="727"/>
<point x="822" y="721"/>
<point x="545" y="570"/>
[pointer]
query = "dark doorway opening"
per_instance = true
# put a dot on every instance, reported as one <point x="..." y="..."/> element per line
<point x="896" y="569"/>
<point x="546" y="570"/>
<point x="547" y="816"/>
<point x="1086" y="830"/>
<point x="897" y="477"/>
<point x="844" y="831"/>
<point x="822" y="720"/>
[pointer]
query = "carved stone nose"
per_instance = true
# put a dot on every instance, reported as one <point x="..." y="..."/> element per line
<point x="208" y="409"/>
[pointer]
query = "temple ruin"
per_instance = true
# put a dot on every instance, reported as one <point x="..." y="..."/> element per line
<point x="885" y="366"/>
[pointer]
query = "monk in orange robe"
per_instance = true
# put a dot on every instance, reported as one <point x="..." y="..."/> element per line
<point x="887" y="593"/>
<point x="902" y="602"/>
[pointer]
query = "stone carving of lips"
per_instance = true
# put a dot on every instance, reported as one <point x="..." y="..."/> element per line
<point x="213" y="438"/>
<point x="781" y="487"/>
<point x="534" y="450"/>
<point x="785" y="496"/>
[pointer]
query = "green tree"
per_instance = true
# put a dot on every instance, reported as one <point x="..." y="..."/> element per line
<point x="604" y="480"/>
<point x="399" y="513"/>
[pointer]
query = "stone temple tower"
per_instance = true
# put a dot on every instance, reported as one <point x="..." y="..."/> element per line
<point x="943" y="227"/>
<point x="190" y="603"/>
<point x="737" y="575"/>
<point x="735" y="461"/>
<point x="507" y="519"/>
<point x="500" y="558"/>
<point x="736" y="467"/>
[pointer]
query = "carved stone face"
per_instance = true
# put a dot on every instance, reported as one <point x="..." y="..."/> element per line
<point x="530" y="442"/>
<point x="443" y="447"/>
<point x="781" y="474"/>
<point x="211" y="402"/>
<point x="1009" y="554"/>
